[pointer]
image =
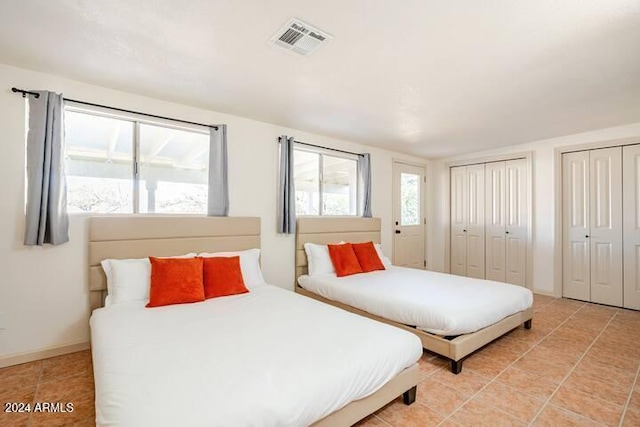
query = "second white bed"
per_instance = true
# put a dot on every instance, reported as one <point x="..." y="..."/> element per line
<point x="437" y="303"/>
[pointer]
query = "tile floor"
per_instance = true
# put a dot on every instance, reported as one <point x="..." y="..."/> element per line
<point x="579" y="365"/>
<point x="67" y="378"/>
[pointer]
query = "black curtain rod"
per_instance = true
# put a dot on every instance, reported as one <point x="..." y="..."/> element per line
<point x="325" y="148"/>
<point x="25" y="92"/>
<point x="37" y="95"/>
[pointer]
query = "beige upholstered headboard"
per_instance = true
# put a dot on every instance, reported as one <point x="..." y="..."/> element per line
<point x="332" y="230"/>
<point x="141" y="236"/>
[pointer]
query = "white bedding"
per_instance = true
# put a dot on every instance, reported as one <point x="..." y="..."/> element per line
<point x="438" y="303"/>
<point x="267" y="358"/>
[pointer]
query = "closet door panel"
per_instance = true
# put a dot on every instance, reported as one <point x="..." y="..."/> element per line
<point x="606" y="225"/>
<point x="495" y="223"/>
<point x="516" y="217"/>
<point x="631" y="226"/>
<point x="459" y="197"/>
<point x="475" y="221"/>
<point x="575" y="217"/>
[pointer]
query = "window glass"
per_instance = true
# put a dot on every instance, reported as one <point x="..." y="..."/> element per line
<point x="410" y="202"/>
<point x="98" y="163"/>
<point x="327" y="178"/>
<point x="173" y="170"/>
<point x="339" y="186"/>
<point x="100" y="153"/>
<point x="306" y="169"/>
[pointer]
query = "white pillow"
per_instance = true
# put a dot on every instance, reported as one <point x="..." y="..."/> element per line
<point x="249" y="264"/>
<point x="129" y="279"/>
<point x="385" y="261"/>
<point x="318" y="259"/>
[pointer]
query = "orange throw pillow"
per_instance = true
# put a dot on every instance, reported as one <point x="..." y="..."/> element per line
<point x="222" y="277"/>
<point x="175" y="281"/>
<point x="367" y="257"/>
<point x="344" y="259"/>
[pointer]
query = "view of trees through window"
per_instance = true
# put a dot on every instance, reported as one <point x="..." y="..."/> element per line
<point x="410" y="201"/>
<point x="172" y="165"/>
<point x="327" y="178"/>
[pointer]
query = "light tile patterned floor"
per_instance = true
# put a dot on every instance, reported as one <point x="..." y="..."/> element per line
<point x="579" y="365"/>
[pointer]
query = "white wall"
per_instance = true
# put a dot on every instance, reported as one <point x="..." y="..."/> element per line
<point x="43" y="291"/>
<point x="544" y="179"/>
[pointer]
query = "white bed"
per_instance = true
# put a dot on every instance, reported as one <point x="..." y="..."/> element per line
<point x="437" y="313"/>
<point x="267" y="358"/>
<point x="264" y="358"/>
<point x="438" y="303"/>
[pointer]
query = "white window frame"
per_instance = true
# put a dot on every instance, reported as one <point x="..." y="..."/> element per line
<point x="332" y="153"/>
<point x="136" y="120"/>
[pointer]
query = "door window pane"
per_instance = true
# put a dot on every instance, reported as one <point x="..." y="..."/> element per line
<point x="98" y="163"/>
<point x="339" y="186"/>
<point x="410" y="199"/>
<point x="173" y="170"/>
<point x="306" y="168"/>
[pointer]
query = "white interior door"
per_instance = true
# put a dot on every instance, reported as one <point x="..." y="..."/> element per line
<point x="495" y="221"/>
<point x="516" y="221"/>
<point x="575" y="225"/>
<point x="606" y="225"/>
<point x="631" y="218"/>
<point x="458" y="253"/>
<point x="475" y="221"/>
<point x="409" y="218"/>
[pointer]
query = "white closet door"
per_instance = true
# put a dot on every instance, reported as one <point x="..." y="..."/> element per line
<point x="517" y="220"/>
<point x="475" y="221"/>
<point x="575" y="225"/>
<point x="631" y="218"/>
<point x="606" y="225"/>
<point x="495" y="221"/>
<point x="459" y="198"/>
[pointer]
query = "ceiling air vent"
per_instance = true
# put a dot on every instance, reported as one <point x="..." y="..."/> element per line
<point x="299" y="37"/>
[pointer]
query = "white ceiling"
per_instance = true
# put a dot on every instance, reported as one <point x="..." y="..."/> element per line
<point x="427" y="77"/>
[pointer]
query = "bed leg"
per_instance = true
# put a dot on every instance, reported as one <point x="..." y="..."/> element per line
<point x="527" y="324"/>
<point x="409" y="396"/>
<point x="456" y="366"/>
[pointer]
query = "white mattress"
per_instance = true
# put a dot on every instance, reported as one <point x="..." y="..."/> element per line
<point x="267" y="358"/>
<point x="438" y="303"/>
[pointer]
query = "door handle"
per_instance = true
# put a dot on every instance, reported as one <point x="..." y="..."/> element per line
<point x="397" y="231"/>
<point x="586" y="236"/>
<point x="464" y="231"/>
<point x="506" y="232"/>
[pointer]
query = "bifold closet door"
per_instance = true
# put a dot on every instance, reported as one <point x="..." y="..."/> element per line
<point x="605" y="236"/>
<point x="507" y="216"/>
<point x="592" y="225"/>
<point x="467" y="221"/>
<point x="458" y="263"/>
<point x="576" y="271"/>
<point x="495" y="221"/>
<point x="475" y="221"/>
<point x="631" y="226"/>
<point x="517" y="220"/>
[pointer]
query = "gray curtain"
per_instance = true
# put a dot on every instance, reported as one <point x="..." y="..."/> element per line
<point x="364" y="170"/>
<point x="218" y="204"/>
<point x="47" y="220"/>
<point x="286" y="190"/>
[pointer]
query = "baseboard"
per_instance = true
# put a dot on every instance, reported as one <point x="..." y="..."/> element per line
<point x="16" y="359"/>
<point x="545" y="293"/>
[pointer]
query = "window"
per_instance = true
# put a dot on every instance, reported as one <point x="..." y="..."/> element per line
<point x="124" y="165"/>
<point x="409" y="193"/>
<point x="326" y="184"/>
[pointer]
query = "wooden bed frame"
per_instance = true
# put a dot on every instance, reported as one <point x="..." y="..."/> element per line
<point x="331" y="230"/>
<point x="139" y="236"/>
